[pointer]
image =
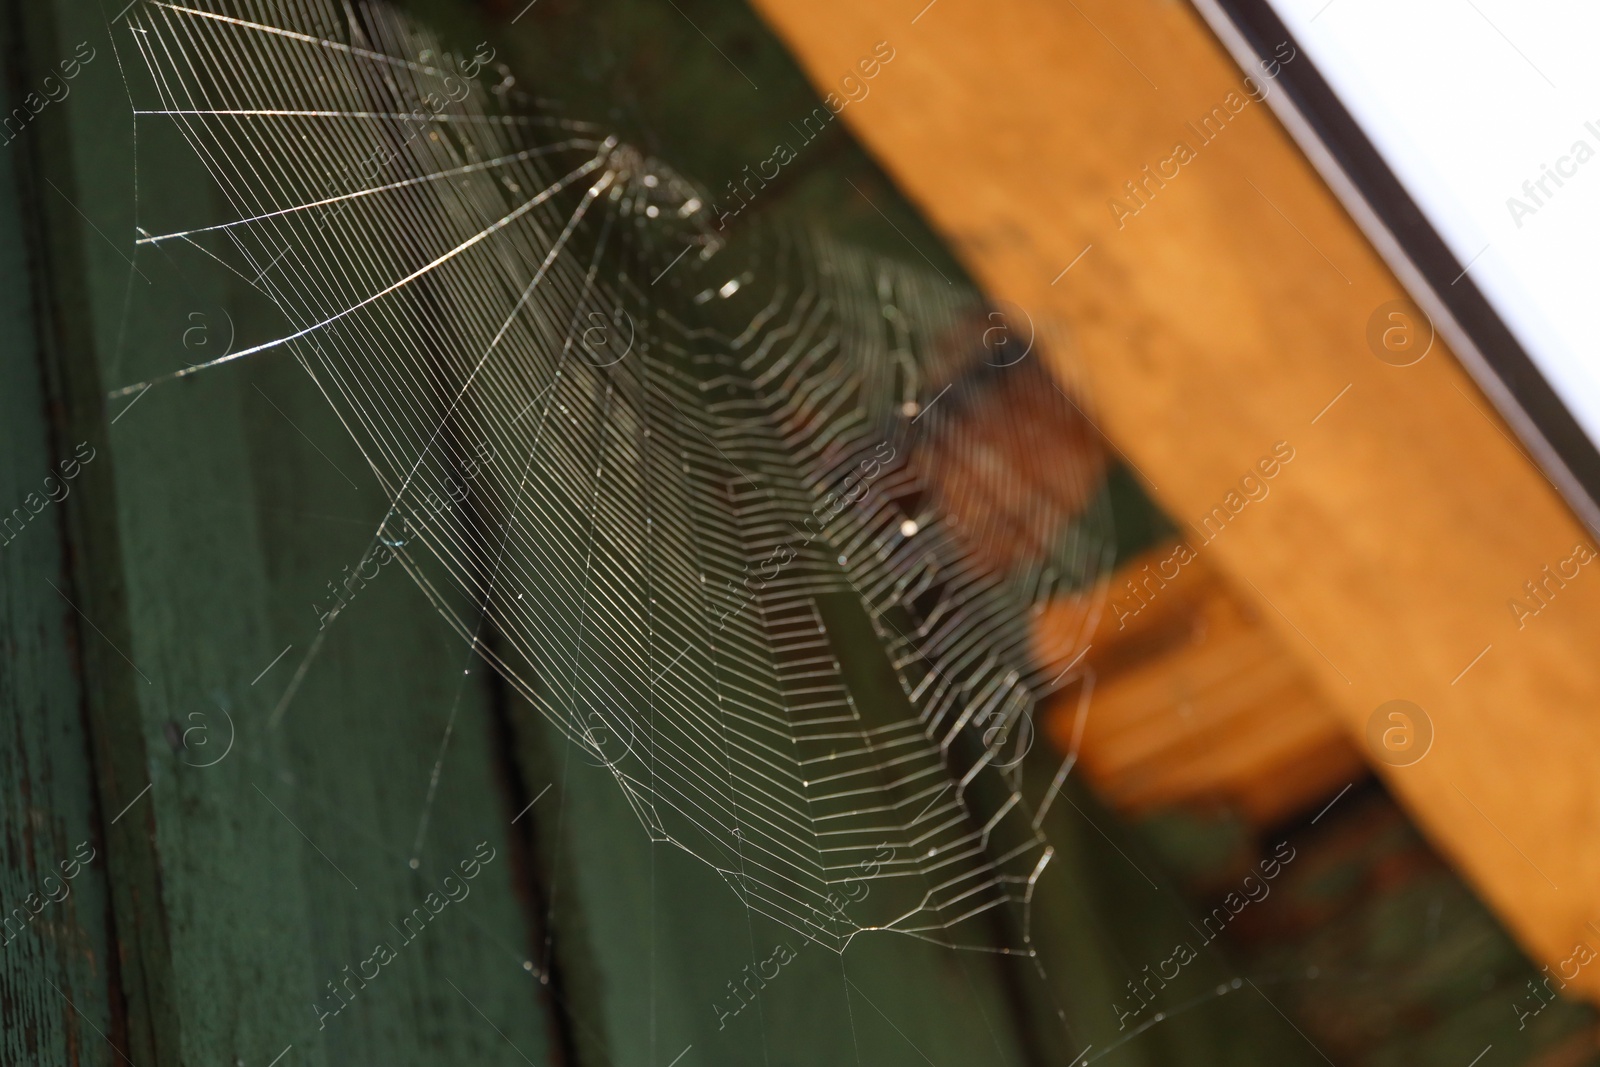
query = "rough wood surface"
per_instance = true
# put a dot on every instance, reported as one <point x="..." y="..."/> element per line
<point x="54" y="930"/>
<point x="1224" y="316"/>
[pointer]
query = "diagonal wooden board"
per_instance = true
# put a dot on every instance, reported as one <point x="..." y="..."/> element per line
<point x="1224" y="316"/>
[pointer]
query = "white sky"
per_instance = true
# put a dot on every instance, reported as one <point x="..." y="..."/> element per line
<point x="1467" y="100"/>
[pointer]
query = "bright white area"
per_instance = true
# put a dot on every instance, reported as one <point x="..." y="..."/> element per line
<point x="1489" y="113"/>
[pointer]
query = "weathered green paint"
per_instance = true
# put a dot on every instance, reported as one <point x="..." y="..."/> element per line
<point x="57" y="972"/>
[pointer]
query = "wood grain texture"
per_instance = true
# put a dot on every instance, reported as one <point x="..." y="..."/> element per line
<point x="1223" y="317"/>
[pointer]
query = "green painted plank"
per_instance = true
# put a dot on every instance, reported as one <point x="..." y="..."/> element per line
<point x="250" y="877"/>
<point x="58" y="986"/>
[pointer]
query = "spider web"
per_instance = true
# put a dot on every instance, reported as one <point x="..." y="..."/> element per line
<point x="747" y="519"/>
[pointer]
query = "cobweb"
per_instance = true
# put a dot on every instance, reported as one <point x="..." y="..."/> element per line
<point x="750" y="520"/>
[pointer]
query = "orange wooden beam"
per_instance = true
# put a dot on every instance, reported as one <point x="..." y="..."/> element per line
<point x="1222" y="312"/>
<point x="1194" y="701"/>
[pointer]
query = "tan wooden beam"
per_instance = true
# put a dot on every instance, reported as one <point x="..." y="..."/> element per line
<point x="1222" y="317"/>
